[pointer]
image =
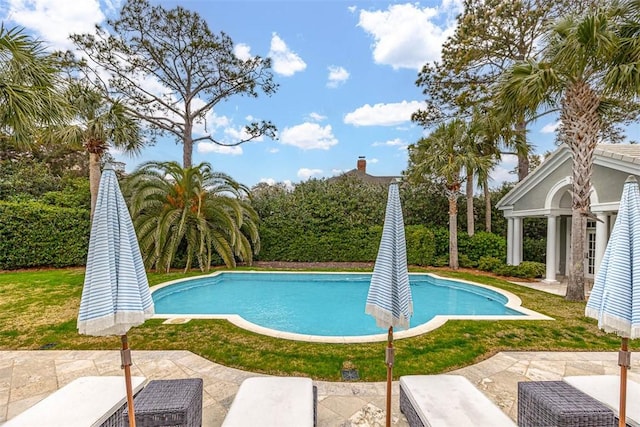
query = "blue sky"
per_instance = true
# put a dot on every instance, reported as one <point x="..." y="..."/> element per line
<point x="346" y="71"/>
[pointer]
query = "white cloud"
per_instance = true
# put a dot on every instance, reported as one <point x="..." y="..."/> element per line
<point x="550" y="127"/>
<point x="352" y="9"/>
<point x="309" y="136"/>
<point x="405" y="35"/>
<point x="396" y="142"/>
<point x="383" y="114"/>
<point x="273" y="150"/>
<point x="373" y="161"/>
<point x="269" y="181"/>
<point x="242" y="51"/>
<point x="504" y="171"/>
<point x="336" y="171"/>
<point x="306" y="173"/>
<point x="54" y="20"/>
<point x="210" y="147"/>
<point x="337" y="76"/>
<point x="285" y="62"/>
<point x="316" y="117"/>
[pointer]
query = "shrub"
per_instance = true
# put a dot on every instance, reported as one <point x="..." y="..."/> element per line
<point x="484" y="244"/>
<point x="38" y="235"/>
<point x="421" y="247"/>
<point x="508" y="271"/>
<point x="534" y="249"/>
<point x="489" y="263"/>
<point x="441" y="239"/>
<point x="441" y="261"/>
<point x="465" y="262"/>
<point x="531" y="269"/>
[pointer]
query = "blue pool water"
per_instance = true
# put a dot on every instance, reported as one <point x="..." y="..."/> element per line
<point x="319" y="303"/>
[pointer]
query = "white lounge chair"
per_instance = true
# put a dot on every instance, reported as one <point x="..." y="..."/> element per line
<point x="606" y="389"/>
<point x="84" y="402"/>
<point x="447" y="400"/>
<point x="273" y="402"/>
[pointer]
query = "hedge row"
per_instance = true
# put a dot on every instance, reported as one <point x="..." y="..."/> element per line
<point x="33" y="234"/>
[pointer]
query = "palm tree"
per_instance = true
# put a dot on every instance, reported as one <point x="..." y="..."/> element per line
<point x="490" y="132"/>
<point x="443" y="155"/>
<point x="193" y="209"/>
<point x="587" y="62"/>
<point x="97" y="125"/>
<point x="29" y="88"/>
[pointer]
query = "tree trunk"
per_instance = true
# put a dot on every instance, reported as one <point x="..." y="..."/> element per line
<point x="580" y="126"/>
<point x="470" y="219"/>
<point x="94" y="179"/>
<point x="453" y="231"/>
<point x="522" y="148"/>
<point x="487" y="205"/>
<point x="187" y="144"/>
<point x="575" y="286"/>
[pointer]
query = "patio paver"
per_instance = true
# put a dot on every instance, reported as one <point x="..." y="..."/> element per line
<point x="28" y="376"/>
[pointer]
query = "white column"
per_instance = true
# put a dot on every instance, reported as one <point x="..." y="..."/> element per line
<point x="602" y="236"/>
<point x="552" y="256"/>
<point x="510" y="241"/>
<point x="517" y="241"/>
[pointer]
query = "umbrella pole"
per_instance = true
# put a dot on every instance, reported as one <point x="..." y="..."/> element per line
<point x="389" y="361"/>
<point x="624" y="360"/>
<point x="125" y="354"/>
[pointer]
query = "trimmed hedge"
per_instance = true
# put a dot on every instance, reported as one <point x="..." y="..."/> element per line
<point x="38" y="235"/>
<point x="421" y="245"/>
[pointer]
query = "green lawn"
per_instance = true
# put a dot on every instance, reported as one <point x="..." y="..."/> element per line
<point x="38" y="309"/>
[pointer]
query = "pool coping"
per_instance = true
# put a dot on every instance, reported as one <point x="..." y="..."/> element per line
<point x="513" y="302"/>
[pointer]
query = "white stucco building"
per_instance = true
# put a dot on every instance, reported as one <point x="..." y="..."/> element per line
<point x="546" y="193"/>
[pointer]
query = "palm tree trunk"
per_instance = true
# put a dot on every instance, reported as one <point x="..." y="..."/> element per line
<point x="470" y="219"/>
<point x="453" y="230"/>
<point x="575" y="286"/>
<point x="580" y="126"/>
<point x="487" y="205"/>
<point x="94" y="179"/>
<point x="522" y="148"/>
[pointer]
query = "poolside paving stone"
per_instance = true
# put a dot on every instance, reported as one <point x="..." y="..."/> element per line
<point x="26" y="377"/>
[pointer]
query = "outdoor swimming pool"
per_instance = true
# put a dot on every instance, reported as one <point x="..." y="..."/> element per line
<point x="322" y="304"/>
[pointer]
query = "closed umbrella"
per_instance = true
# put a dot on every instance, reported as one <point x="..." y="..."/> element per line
<point x="389" y="299"/>
<point x="116" y="295"/>
<point x="615" y="297"/>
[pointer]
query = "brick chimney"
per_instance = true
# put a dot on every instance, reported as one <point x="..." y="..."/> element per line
<point x="362" y="164"/>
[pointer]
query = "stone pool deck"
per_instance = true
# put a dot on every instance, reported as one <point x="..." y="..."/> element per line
<point x="28" y="376"/>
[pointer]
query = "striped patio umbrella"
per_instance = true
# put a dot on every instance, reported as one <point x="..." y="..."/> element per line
<point x="389" y="299"/>
<point x="615" y="298"/>
<point x="116" y="295"/>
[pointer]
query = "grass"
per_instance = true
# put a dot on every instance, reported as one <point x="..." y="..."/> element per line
<point x="38" y="309"/>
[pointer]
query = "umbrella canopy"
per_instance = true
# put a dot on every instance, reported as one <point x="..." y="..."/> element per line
<point x="116" y="292"/>
<point x="389" y="299"/>
<point x="615" y="297"/>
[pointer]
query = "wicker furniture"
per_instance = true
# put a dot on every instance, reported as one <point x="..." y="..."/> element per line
<point x="558" y="404"/>
<point x="84" y="402"/>
<point x="175" y="403"/>
<point x="447" y="400"/>
<point x="273" y="402"/>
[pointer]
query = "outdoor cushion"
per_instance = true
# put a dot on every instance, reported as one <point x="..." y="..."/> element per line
<point x="85" y="401"/>
<point x="273" y="402"/>
<point x="448" y="400"/>
<point x="606" y="389"/>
